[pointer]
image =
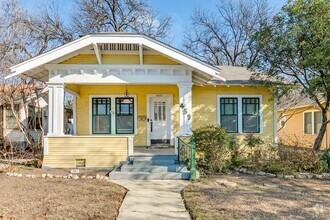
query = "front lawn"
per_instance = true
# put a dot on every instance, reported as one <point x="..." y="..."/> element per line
<point x="257" y="197"/>
<point x="26" y="198"/>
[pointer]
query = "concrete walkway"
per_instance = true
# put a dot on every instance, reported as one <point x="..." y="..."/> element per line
<point x="153" y="199"/>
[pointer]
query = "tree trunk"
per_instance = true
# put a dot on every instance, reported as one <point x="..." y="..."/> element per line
<point x="323" y="129"/>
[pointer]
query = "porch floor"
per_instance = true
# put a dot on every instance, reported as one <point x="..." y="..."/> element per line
<point x="152" y="151"/>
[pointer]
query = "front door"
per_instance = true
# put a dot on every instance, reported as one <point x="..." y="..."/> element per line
<point x="159" y="119"/>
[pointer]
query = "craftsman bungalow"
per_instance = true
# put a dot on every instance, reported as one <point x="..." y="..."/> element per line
<point x="131" y="90"/>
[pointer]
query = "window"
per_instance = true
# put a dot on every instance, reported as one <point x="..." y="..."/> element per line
<point x="160" y="111"/>
<point x="240" y="114"/>
<point x="228" y="115"/>
<point x="101" y="116"/>
<point x="34" y="117"/>
<point x="124" y="115"/>
<point x="11" y="121"/>
<point x="312" y="122"/>
<point x="251" y="118"/>
<point x="317" y="121"/>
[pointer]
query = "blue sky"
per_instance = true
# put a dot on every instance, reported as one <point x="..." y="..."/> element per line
<point x="180" y="10"/>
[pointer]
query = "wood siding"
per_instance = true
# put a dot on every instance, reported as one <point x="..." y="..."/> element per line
<point x="97" y="151"/>
<point x="204" y="106"/>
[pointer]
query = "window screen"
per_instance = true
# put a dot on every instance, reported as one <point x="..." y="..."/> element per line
<point x="250" y="114"/>
<point x="124" y="115"/>
<point x="308" y="123"/>
<point x="317" y="121"/>
<point x="101" y="115"/>
<point x="228" y="114"/>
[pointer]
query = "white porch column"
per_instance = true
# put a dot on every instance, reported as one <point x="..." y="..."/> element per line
<point x="185" y="108"/>
<point x="56" y="109"/>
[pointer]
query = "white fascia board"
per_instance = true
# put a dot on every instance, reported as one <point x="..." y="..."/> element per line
<point x="49" y="56"/>
<point x="104" y="38"/>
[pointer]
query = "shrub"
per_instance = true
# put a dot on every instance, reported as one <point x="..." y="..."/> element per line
<point x="252" y="141"/>
<point x="293" y="160"/>
<point x="214" y="147"/>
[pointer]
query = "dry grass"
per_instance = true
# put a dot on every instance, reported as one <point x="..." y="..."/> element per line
<point x="25" y="198"/>
<point x="291" y="199"/>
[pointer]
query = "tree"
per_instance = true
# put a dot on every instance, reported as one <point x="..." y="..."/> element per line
<point x="224" y="37"/>
<point x="135" y="16"/>
<point x="296" y="48"/>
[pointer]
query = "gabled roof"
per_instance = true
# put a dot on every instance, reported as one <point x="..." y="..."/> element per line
<point x="34" y="67"/>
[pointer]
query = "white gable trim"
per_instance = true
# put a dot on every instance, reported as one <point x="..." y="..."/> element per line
<point x="114" y="38"/>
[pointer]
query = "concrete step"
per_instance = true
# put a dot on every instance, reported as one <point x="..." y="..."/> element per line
<point x="152" y="168"/>
<point x="115" y="175"/>
<point x="156" y="157"/>
<point x="154" y="162"/>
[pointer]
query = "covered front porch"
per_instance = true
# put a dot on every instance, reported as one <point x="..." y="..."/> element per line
<point x="114" y="120"/>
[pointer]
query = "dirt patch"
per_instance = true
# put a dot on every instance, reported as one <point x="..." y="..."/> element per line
<point x="25" y="198"/>
<point x="258" y="198"/>
<point x="63" y="172"/>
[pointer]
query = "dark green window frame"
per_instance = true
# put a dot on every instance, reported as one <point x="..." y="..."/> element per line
<point x="121" y="112"/>
<point x="234" y="112"/>
<point x="256" y="109"/>
<point x="95" y="113"/>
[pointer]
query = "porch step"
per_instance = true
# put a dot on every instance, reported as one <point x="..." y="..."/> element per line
<point x="162" y="167"/>
<point x="149" y="176"/>
<point x="153" y="168"/>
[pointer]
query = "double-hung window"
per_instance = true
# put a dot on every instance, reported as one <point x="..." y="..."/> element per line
<point x="250" y="114"/>
<point x="240" y="114"/>
<point x="124" y="115"/>
<point x="101" y="115"/>
<point x="312" y="122"/>
<point x="11" y="121"/>
<point x="228" y="114"/>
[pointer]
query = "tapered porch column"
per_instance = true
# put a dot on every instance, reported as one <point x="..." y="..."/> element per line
<point x="56" y="109"/>
<point x="185" y="108"/>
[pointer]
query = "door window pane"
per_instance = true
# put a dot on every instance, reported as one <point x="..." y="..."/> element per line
<point x="228" y="114"/>
<point x="251" y="117"/>
<point x="317" y="121"/>
<point x="124" y="115"/>
<point x="160" y="111"/>
<point x="308" y="123"/>
<point x="101" y="116"/>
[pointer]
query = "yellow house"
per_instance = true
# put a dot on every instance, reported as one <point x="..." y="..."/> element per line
<point x="131" y="90"/>
<point x="300" y="125"/>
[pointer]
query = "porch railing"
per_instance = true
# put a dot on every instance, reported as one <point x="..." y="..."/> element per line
<point x="187" y="154"/>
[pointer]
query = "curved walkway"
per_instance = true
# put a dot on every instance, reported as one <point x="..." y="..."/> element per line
<point x="153" y="199"/>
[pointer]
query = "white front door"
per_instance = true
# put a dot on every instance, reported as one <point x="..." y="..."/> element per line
<point x="159" y="120"/>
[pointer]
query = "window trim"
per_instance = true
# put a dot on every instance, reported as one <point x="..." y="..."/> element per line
<point x="113" y="114"/>
<point x="240" y="111"/>
<point x="313" y="121"/>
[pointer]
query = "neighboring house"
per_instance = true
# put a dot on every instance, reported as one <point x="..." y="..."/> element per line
<point x="131" y="90"/>
<point x="32" y="113"/>
<point x="299" y="124"/>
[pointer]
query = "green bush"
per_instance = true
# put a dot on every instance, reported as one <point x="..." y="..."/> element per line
<point x="214" y="148"/>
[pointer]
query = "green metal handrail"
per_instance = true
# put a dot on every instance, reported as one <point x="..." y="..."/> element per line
<point x="187" y="154"/>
